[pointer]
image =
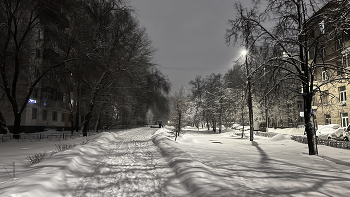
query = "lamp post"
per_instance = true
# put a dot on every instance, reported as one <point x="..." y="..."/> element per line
<point x="265" y="102"/>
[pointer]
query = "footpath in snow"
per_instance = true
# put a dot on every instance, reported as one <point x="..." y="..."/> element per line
<point x="148" y="162"/>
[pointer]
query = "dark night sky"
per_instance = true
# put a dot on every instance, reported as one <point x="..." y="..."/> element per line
<point x="189" y="36"/>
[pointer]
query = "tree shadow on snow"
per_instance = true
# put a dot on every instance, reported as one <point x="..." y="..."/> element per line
<point x="267" y="177"/>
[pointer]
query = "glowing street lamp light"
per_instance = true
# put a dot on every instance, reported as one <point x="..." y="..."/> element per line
<point x="244" y="52"/>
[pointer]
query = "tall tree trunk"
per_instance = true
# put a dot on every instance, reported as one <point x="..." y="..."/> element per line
<point x="220" y="116"/>
<point x="92" y="104"/>
<point x="71" y="123"/>
<point x="87" y="120"/>
<point x="250" y="102"/>
<point x="214" y="125"/>
<point x="306" y="82"/>
<point x="310" y="126"/>
<point x="17" y="126"/>
<point x="208" y="125"/>
<point x="242" y="118"/>
<point x="97" y="125"/>
<point x="77" y="110"/>
<point x="250" y="107"/>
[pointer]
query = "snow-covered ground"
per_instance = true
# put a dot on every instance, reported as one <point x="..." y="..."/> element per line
<point x="289" y="131"/>
<point x="148" y="162"/>
<point x="274" y="166"/>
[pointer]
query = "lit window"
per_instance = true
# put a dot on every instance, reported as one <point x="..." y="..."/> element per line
<point x="324" y="74"/>
<point x="342" y="94"/>
<point x="40" y="34"/>
<point x="344" y="119"/>
<point x="321" y="27"/>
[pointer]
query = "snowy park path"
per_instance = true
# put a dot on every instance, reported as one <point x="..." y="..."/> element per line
<point x="132" y="167"/>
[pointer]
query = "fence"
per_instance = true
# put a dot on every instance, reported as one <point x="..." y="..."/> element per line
<point x="5" y="138"/>
<point x="303" y="139"/>
<point x="332" y="143"/>
<point x="49" y="136"/>
<point x="265" y="134"/>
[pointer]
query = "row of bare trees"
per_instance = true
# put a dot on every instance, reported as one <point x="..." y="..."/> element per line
<point x="101" y="52"/>
<point x="217" y="99"/>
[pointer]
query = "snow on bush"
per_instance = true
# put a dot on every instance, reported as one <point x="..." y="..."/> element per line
<point x="36" y="158"/>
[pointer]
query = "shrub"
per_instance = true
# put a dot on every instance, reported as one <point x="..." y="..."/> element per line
<point x="36" y="158"/>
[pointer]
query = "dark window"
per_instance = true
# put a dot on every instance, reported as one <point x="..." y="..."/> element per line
<point x="54" y="116"/>
<point x="300" y="105"/>
<point x="34" y="113"/>
<point x="44" y="114"/>
<point x="338" y="43"/>
<point x="54" y="94"/>
<point x="346" y="35"/>
<point x="322" y="51"/>
<point x="38" y="53"/>
<point x="43" y="93"/>
<point x="301" y="119"/>
<point x="48" y="93"/>
<point x="312" y="53"/>
<point x="328" y="119"/>
<point x="35" y="93"/>
<point x="51" y="94"/>
<point x="62" y="117"/>
<point x="60" y="96"/>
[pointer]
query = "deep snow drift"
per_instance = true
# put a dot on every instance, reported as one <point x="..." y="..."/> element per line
<point x="147" y="162"/>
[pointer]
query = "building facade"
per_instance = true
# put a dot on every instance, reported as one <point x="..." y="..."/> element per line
<point x="53" y="102"/>
<point x="330" y="104"/>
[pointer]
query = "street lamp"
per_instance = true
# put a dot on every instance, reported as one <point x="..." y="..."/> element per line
<point x="244" y="52"/>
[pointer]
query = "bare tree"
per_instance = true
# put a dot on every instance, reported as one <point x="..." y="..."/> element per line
<point x="196" y="98"/>
<point x="179" y="102"/>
